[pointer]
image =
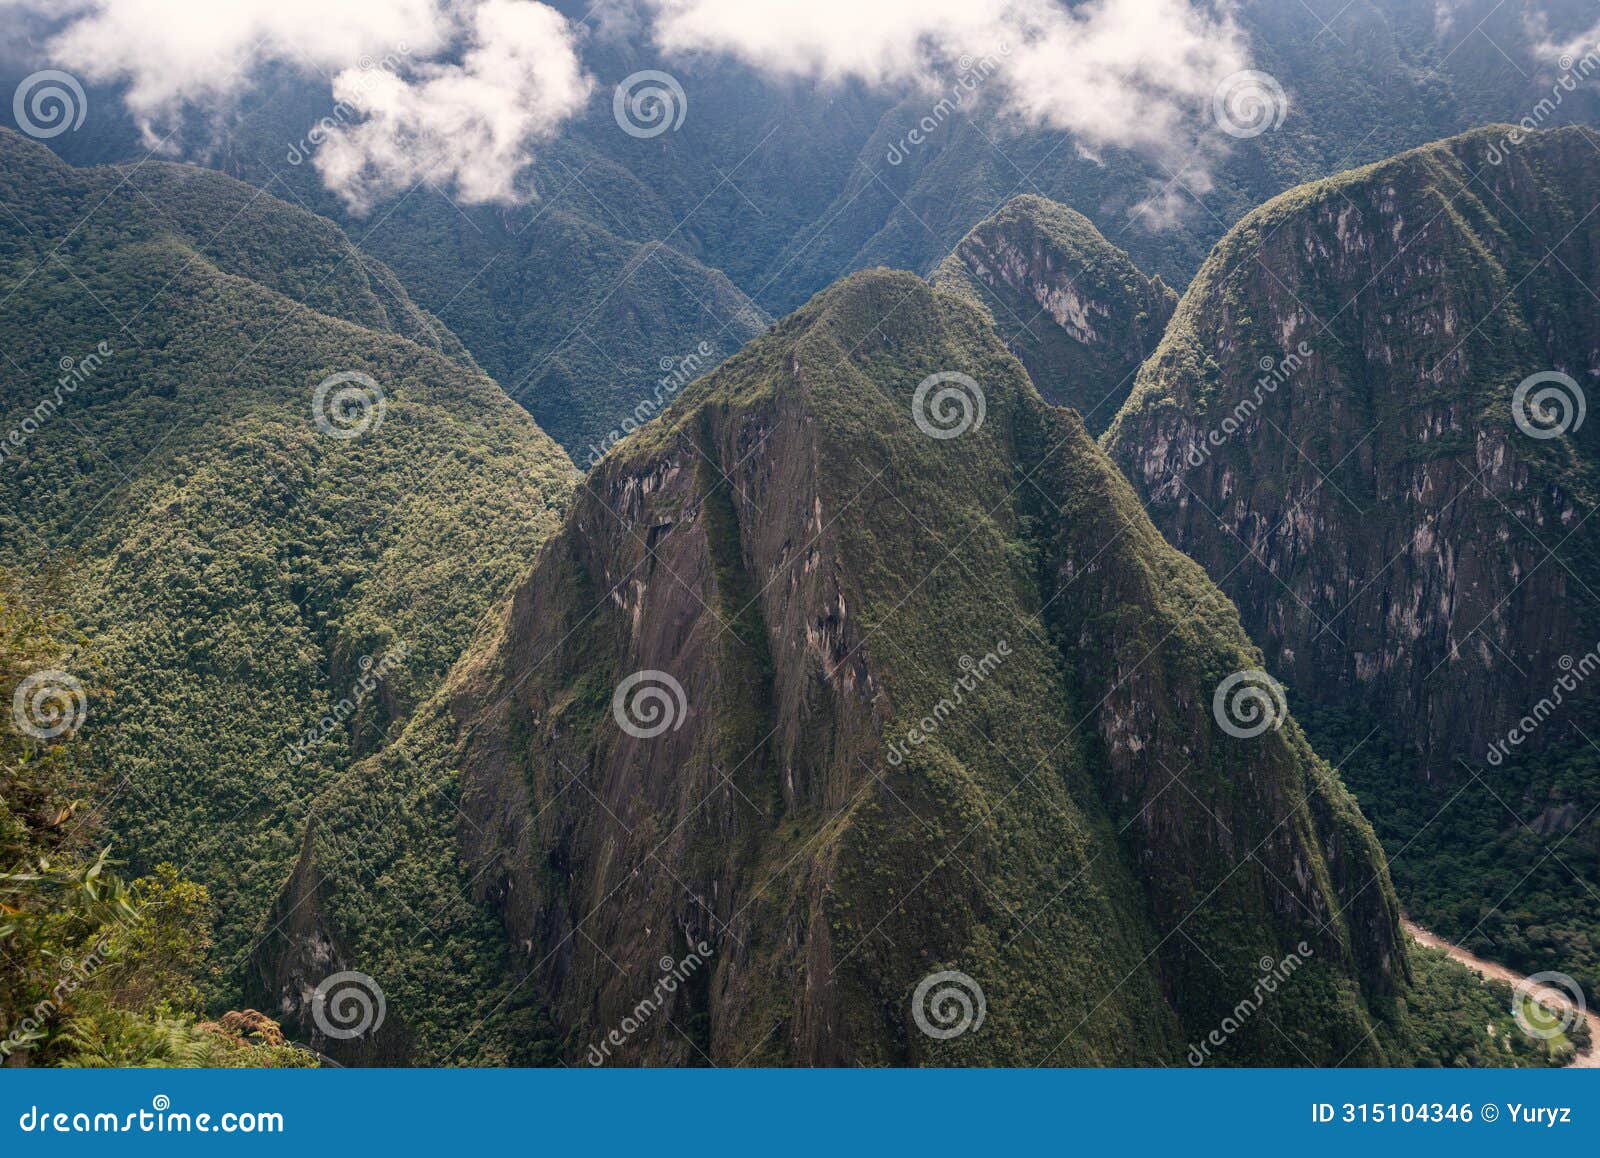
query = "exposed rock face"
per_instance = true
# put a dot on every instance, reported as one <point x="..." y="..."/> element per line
<point x="922" y="704"/>
<point x="1073" y="307"/>
<point x="1328" y="429"/>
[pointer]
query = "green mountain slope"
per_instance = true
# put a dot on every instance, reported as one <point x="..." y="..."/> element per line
<point x="946" y="704"/>
<point x="1074" y="309"/>
<point x="1332" y="428"/>
<point x="262" y="599"/>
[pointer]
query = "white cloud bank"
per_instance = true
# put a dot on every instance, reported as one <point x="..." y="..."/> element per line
<point x="481" y="82"/>
<point x="1128" y="73"/>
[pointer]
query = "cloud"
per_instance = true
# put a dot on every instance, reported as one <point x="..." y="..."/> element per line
<point x="470" y="124"/>
<point x="1132" y="73"/>
<point x="176" y="53"/>
<point x="464" y="90"/>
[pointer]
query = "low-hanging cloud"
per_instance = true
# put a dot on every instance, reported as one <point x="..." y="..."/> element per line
<point x="172" y="54"/>
<point x="465" y="91"/>
<point x="1131" y="73"/>
<point x="479" y="83"/>
<point x="470" y="124"/>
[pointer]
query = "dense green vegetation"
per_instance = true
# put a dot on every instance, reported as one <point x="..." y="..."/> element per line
<point x="791" y="499"/>
<point x="638" y="250"/>
<point x="1502" y="861"/>
<point x="95" y="970"/>
<point x="264" y="601"/>
<point x="1410" y="559"/>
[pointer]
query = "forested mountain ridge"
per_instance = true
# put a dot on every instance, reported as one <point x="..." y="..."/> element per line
<point x="763" y="566"/>
<point x="272" y="497"/>
<point x="1078" y="314"/>
<point x="1366" y="422"/>
<point x="635" y="251"/>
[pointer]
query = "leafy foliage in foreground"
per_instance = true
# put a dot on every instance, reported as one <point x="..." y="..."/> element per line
<point x="93" y="970"/>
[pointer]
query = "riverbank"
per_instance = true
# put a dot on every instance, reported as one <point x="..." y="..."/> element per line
<point x="1589" y="1059"/>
